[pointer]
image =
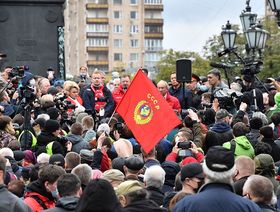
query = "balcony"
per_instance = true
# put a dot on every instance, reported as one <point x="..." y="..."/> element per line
<point x="97" y="49"/>
<point x="97" y="62"/>
<point x="153" y="49"/>
<point x="157" y="21"/>
<point x="103" y="5"/>
<point x="153" y="7"/>
<point x="158" y="35"/>
<point x="97" y="20"/>
<point x="97" y="34"/>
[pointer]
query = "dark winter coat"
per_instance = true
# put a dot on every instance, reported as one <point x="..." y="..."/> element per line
<point x="216" y="197"/>
<point x="220" y="133"/>
<point x="11" y="203"/>
<point x="64" y="204"/>
<point x="78" y="143"/>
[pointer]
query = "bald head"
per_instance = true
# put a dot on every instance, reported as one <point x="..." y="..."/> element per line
<point x="259" y="189"/>
<point x="245" y="166"/>
<point x="162" y="87"/>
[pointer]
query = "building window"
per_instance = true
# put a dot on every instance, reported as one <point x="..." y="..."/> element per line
<point x="134" y="57"/>
<point x="117" y="1"/>
<point x="134" y="43"/>
<point x="152" y="57"/>
<point x="133" y="1"/>
<point x="134" y="29"/>
<point x="117" y="43"/>
<point x="153" y="1"/>
<point x="153" y="44"/>
<point x="97" y="28"/>
<point x="97" y="42"/>
<point x="118" y="57"/>
<point x="117" y="14"/>
<point x="118" y="29"/>
<point x="133" y="15"/>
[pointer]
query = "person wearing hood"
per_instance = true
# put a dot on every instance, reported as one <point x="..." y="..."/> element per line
<point x="267" y="133"/>
<point x="240" y="145"/>
<point x="220" y="132"/>
<point x="274" y="109"/>
<point x="264" y="166"/>
<point x="42" y="193"/>
<point x="75" y="137"/>
<point x="69" y="190"/>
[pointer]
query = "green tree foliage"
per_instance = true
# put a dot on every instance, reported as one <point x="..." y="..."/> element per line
<point x="167" y="64"/>
<point x="271" y="67"/>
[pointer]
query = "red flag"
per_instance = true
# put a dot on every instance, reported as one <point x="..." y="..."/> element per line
<point x="146" y="112"/>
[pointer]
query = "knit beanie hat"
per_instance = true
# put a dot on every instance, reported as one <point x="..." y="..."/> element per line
<point x="51" y="126"/>
<point x="53" y="113"/>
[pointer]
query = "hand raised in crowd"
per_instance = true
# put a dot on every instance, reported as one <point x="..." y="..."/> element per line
<point x="243" y="106"/>
<point x="193" y="148"/>
<point x="100" y="140"/>
<point x="193" y="115"/>
<point x="15" y="95"/>
<point x="275" y="83"/>
<point x="175" y="149"/>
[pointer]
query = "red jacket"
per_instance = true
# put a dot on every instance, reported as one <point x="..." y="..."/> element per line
<point x="173" y="102"/>
<point x="34" y="204"/>
<point x="78" y="98"/>
<point x="118" y="94"/>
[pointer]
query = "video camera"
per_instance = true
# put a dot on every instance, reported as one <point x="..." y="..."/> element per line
<point x="252" y="68"/>
<point x="185" y="149"/>
<point x="18" y="72"/>
<point x="227" y="98"/>
<point x="62" y="104"/>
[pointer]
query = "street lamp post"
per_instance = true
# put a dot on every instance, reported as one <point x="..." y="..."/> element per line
<point x="275" y="7"/>
<point x="255" y="41"/>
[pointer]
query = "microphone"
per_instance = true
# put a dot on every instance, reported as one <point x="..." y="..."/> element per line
<point x="2" y="55"/>
<point x="221" y="65"/>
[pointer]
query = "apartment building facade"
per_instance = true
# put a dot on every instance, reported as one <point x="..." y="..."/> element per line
<point x="113" y="35"/>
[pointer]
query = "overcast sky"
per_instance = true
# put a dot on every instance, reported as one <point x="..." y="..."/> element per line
<point x="189" y="23"/>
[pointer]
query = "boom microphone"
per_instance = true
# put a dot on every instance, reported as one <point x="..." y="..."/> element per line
<point x="221" y="65"/>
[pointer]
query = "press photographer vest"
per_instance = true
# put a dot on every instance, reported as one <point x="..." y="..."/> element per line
<point x="28" y="145"/>
<point x="49" y="148"/>
<point x="98" y="93"/>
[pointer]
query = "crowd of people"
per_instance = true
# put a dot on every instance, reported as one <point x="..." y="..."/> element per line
<point x="64" y="148"/>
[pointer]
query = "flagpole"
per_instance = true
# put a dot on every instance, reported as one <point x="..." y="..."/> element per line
<point x="122" y="99"/>
<point x="112" y="115"/>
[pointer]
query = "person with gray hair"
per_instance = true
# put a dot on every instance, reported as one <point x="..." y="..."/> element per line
<point x="9" y="201"/>
<point x="154" y="179"/>
<point x="217" y="194"/>
<point x="259" y="189"/>
<point x="174" y="103"/>
<point x="84" y="173"/>
<point x="215" y="81"/>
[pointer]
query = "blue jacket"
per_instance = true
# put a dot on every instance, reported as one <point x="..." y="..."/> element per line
<point x="216" y="197"/>
<point x="178" y="93"/>
<point x="89" y="100"/>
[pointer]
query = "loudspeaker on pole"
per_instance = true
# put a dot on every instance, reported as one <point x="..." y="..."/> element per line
<point x="184" y="70"/>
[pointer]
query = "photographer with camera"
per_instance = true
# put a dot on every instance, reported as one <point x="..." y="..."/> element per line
<point x="253" y="95"/>
<point x="184" y="150"/>
<point x="50" y="141"/>
<point x="71" y="91"/>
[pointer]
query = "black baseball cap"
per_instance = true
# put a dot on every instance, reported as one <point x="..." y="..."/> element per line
<point x="219" y="159"/>
<point x="192" y="170"/>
